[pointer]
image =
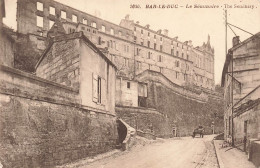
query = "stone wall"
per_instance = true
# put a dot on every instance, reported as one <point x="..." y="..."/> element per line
<point x="147" y="120"/>
<point x="6" y="49"/>
<point x="184" y="113"/>
<point x="28" y="51"/>
<point x="42" y="124"/>
<point x="252" y="117"/>
<point x="126" y="96"/>
<point x="61" y="63"/>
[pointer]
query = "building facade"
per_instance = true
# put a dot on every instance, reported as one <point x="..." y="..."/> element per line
<point x="72" y="60"/>
<point x="131" y="47"/>
<point x="240" y="78"/>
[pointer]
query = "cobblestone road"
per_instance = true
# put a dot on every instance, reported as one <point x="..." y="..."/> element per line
<point x="171" y="153"/>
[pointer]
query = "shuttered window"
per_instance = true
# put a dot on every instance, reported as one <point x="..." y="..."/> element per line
<point x="99" y="89"/>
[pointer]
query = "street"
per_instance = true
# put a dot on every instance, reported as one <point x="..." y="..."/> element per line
<point x="171" y="153"/>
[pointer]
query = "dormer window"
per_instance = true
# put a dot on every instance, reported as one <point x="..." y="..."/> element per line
<point x="94" y="24"/>
<point x="39" y="6"/>
<point x="39" y="21"/>
<point x="85" y="21"/>
<point x="112" y="32"/>
<point x="52" y="10"/>
<point x="74" y="18"/>
<point x="63" y="15"/>
<point x="103" y="28"/>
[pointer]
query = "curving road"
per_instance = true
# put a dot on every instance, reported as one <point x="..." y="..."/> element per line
<point x="171" y="153"/>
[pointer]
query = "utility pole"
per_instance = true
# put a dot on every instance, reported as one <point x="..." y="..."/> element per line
<point x="225" y="32"/>
<point x="232" y="69"/>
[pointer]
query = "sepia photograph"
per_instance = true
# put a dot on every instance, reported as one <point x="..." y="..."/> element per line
<point x="130" y="84"/>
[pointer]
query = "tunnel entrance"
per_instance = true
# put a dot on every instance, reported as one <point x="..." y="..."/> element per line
<point x="122" y="131"/>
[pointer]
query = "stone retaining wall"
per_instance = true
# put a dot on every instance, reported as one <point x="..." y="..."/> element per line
<point x="42" y="124"/>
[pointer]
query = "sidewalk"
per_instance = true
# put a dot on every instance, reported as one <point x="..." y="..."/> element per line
<point x="229" y="157"/>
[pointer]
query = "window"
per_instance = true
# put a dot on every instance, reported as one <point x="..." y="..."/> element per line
<point x="99" y="41"/>
<point x="63" y="15"/>
<point x="112" y="31"/>
<point x="52" y="10"/>
<point x="182" y="55"/>
<point x="142" y="42"/>
<point x="85" y="21"/>
<point x="128" y="85"/>
<point x="177" y="53"/>
<point x="172" y="51"/>
<point x="160" y="38"/>
<point x="50" y="23"/>
<point x="187" y="67"/>
<point x="120" y="33"/>
<point x="185" y="77"/>
<point x="134" y="28"/>
<point x="161" y="47"/>
<point x="177" y="75"/>
<point x="159" y="58"/>
<point x="188" y="57"/>
<point x="154" y="46"/>
<point x="126" y="48"/>
<point x="103" y="28"/>
<point x="177" y="44"/>
<point x="71" y="30"/>
<point x="148" y="44"/>
<point x="126" y="62"/>
<point x="137" y="51"/>
<point x="149" y="55"/>
<point x="154" y="36"/>
<point x="135" y="38"/>
<point x="74" y="18"/>
<point x="39" y="6"/>
<point x="39" y="21"/>
<point x="177" y="63"/>
<point x="98" y="89"/>
<point x="82" y="28"/>
<point x="94" y="24"/>
<point x="142" y="32"/>
<point x="148" y="34"/>
<point x="161" y="69"/>
<point x="139" y="65"/>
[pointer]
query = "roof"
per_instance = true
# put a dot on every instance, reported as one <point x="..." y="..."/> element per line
<point x="230" y="53"/>
<point x="247" y="106"/>
<point x="77" y="35"/>
<point x="57" y="27"/>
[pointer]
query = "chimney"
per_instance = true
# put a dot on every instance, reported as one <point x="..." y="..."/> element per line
<point x="127" y="17"/>
<point x="159" y="31"/>
<point x="137" y="22"/>
<point x="235" y="41"/>
<point x="165" y="32"/>
<point x="147" y="26"/>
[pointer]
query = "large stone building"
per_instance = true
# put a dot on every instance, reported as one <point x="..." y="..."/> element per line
<point x="241" y="82"/>
<point x="132" y="47"/>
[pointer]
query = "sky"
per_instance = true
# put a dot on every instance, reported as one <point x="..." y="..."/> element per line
<point x="187" y="23"/>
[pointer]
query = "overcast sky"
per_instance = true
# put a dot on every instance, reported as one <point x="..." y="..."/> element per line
<point x="186" y="23"/>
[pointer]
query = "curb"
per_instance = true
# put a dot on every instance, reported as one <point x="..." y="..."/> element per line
<point x="220" y="162"/>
